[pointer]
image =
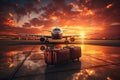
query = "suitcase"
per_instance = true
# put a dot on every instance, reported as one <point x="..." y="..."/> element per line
<point x="56" y="56"/>
<point x="75" y="52"/>
<point x="48" y="56"/>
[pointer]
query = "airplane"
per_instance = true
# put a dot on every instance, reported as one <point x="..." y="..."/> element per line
<point x="56" y="34"/>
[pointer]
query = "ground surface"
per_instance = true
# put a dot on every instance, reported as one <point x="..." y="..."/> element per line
<point x="96" y="63"/>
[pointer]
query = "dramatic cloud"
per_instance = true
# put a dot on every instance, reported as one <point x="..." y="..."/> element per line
<point x="37" y="15"/>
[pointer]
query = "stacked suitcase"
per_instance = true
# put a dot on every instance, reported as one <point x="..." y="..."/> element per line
<point x="57" y="56"/>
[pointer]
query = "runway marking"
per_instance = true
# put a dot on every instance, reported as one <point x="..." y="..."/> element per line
<point x="19" y="66"/>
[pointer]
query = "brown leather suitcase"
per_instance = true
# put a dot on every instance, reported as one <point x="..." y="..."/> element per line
<point x="48" y="56"/>
<point x="75" y="52"/>
<point x="56" y="56"/>
<point x="61" y="55"/>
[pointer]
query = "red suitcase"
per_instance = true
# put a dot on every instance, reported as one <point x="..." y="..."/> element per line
<point x="75" y="52"/>
<point x="56" y="56"/>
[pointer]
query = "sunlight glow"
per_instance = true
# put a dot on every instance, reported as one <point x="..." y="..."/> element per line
<point x="82" y="37"/>
<point x="84" y="74"/>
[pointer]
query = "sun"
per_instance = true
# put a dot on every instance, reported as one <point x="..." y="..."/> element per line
<point x="82" y="35"/>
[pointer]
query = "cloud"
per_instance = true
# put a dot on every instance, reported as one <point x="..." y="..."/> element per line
<point x="115" y="24"/>
<point x="37" y="22"/>
<point x="36" y="13"/>
<point x="16" y="30"/>
<point x="27" y="25"/>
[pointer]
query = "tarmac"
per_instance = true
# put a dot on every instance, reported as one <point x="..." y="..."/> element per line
<point x="26" y="62"/>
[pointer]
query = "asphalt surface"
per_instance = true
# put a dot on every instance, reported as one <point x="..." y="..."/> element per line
<point x="26" y="62"/>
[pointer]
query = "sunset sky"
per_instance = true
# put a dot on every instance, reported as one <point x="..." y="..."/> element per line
<point x="94" y="18"/>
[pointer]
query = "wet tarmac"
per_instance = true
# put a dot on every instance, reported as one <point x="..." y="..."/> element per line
<point x="26" y="62"/>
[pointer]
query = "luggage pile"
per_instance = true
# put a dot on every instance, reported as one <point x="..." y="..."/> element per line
<point x="58" y="56"/>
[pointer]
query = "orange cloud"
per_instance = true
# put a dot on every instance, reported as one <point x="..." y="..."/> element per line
<point x="109" y="5"/>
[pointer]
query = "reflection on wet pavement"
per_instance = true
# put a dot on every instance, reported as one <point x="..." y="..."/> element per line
<point x="96" y="63"/>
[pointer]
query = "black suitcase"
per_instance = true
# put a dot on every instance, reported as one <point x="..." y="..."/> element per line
<point x="75" y="52"/>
